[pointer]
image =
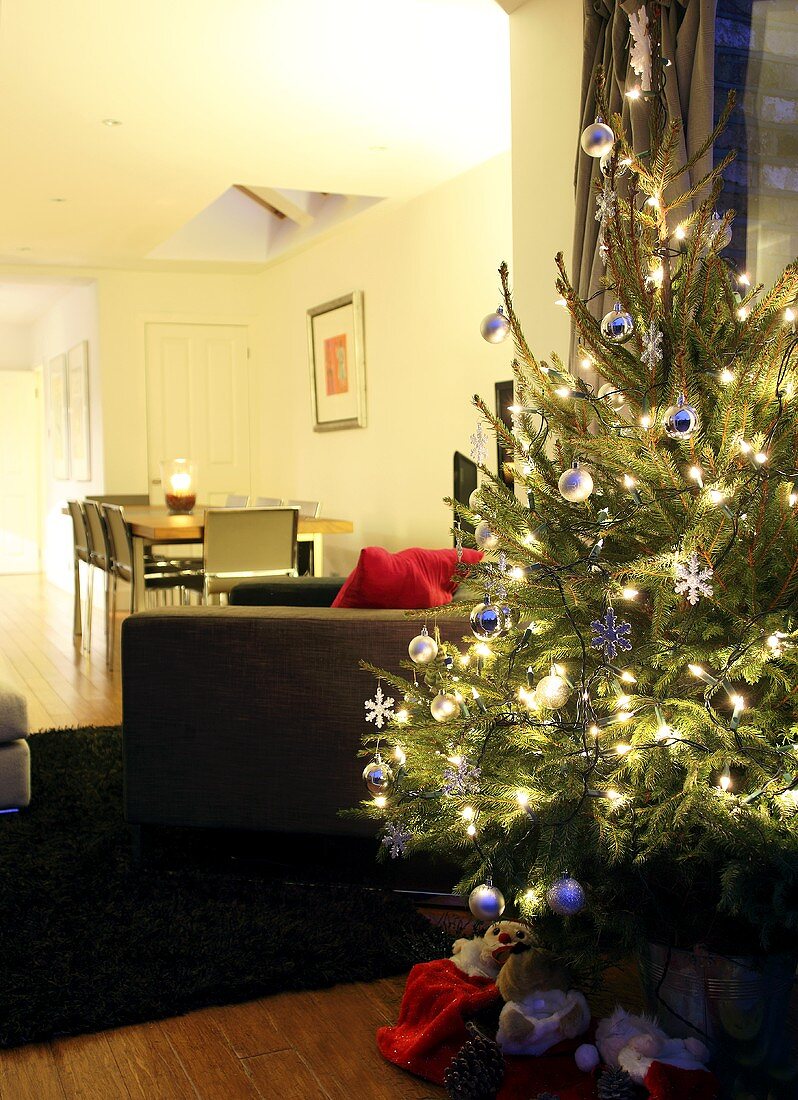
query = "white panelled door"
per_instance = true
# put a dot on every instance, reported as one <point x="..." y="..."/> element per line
<point x="19" y="472"/>
<point x="198" y="406"/>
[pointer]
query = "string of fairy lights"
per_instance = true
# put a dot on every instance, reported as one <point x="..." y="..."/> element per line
<point x="541" y="702"/>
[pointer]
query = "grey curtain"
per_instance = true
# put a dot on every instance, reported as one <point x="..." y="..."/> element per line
<point x="688" y="41"/>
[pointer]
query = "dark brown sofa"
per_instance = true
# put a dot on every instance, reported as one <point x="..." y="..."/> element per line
<point x="251" y="717"/>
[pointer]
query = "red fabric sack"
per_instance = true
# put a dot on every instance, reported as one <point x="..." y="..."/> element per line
<point x="410" y="579"/>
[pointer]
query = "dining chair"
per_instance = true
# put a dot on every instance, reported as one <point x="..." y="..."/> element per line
<point x="246" y="543"/>
<point x="267" y="502"/>
<point x="158" y="575"/>
<point x="236" y="500"/>
<point x="80" y="553"/>
<point x="100" y="555"/>
<point x="308" y="509"/>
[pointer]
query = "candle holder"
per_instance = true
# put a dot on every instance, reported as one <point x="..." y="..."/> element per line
<point x="179" y="480"/>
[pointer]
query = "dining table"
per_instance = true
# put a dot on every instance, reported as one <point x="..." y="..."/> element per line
<point x="150" y="524"/>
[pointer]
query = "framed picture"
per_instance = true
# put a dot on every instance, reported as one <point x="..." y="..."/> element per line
<point x="59" y="421"/>
<point x="337" y="363"/>
<point x="79" y="418"/>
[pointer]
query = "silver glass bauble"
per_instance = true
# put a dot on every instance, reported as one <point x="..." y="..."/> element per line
<point x="495" y="327"/>
<point x="512" y="617"/>
<point x="474" y="501"/>
<point x="717" y="236"/>
<point x="597" y="138"/>
<point x="605" y="164"/>
<point x="484" y="536"/>
<point x="377" y="776"/>
<point x="552" y="692"/>
<point x="610" y="393"/>
<point x="566" y="897"/>
<point x="486" y="902"/>
<point x="422" y="649"/>
<point x="575" y="484"/>
<point x="444" y="707"/>
<point x="680" y="420"/>
<point x="487" y="620"/>
<point x="617" y="326"/>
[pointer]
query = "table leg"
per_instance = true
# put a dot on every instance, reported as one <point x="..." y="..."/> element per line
<point x="318" y="555"/>
<point x="138" y="573"/>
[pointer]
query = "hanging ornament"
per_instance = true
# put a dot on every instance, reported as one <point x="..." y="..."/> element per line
<point x="597" y="138"/>
<point x="605" y="164"/>
<point x="484" y="536"/>
<point x="395" y="839"/>
<point x="610" y="393"/>
<point x="552" y="691"/>
<point x="487" y="620"/>
<point x="692" y="579"/>
<point x="610" y="635"/>
<point x="422" y="648"/>
<point x="566" y="897"/>
<point x="479" y="445"/>
<point x="495" y="327"/>
<point x="640" y="52"/>
<point x="377" y="776"/>
<point x="474" y="500"/>
<point x="444" y="707"/>
<point x="652" y="346"/>
<point x="461" y="777"/>
<point x="511" y="616"/>
<point x="617" y="326"/>
<point x="681" y="420"/>
<point x="716" y="235"/>
<point x="575" y="484"/>
<point x="379" y="709"/>
<point x="486" y="902"/>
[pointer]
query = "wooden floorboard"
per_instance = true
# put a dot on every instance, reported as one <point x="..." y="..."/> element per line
<point x="300" y="1046"/>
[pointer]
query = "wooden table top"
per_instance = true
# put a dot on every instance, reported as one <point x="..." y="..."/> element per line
<point x="158" y="525"/>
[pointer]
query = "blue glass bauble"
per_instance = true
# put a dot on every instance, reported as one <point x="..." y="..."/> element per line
<point x="486" y="902"/>
<point x="487" y="620"/>
<point x="566" y="897"/>
<point x="617" y="326"/>
<point x="377" y="776"/>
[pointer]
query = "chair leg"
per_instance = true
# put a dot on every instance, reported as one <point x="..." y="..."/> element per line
<point x="110" y="622"/>
<point x="89" y="611"/>
<point x="77" y="628"/>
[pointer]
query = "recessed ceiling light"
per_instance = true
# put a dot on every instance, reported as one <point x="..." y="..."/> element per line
<point x="378" y="148"/>
<point x="57" y="200"/>
<point x="112" y="122"/>
<point x="24" y="248"/>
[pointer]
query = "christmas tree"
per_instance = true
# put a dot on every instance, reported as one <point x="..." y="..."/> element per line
<point x="615" y="750"/>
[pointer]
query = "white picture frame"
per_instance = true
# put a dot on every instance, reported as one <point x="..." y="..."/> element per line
<point x="59" y="416"/>
<point x="79" y="411"/>
<point x="336" y="352"/>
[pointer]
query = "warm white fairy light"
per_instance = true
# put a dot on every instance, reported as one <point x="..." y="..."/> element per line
<point x="697" y="474"/>
<point x="760" y="458"/>
<point x="726" y="376"/>
<point x="680" y="233"/>
<point x="634" y="93"/>
<point x="657" y="275"/>
<point x="586" y="363"/>
<point x="527" y="697"/>
<point x="630" y="593"/>
<point x="517" y="573"/>
<point x="738" y="703"/>
<point x="623" y="716"/>
<point x="742" y="313"/>
<point x="594" y="731"/>
<point x="622" y="702"/>
<point x="563" y="391"/>
<point x="399" y="755"/>
<point x="465" y="659"/>
<point x="483" y="650"/>
<point x="380" y="801"/>
<point x="622" y="748"/>
<point x="522" y="798"/>
<point x="744" y="279"/>
<point x="789" y="315"/>
<point x="645" y="421"/>
<point x="529" y="539"/>
<point x="725" y="782"/>
<point x="561" y="302"/>
<point x="716" y="496"/>
<point x="628" y="481"/>
<point x="664" y="732"/>
<point x="613" y="795"/>
<point x="627" y="677"/>
<point x="653" y="201"/>
<point x="745" y="446"/>
<point x="468" y="813"/>
<point x="401" y="716"/>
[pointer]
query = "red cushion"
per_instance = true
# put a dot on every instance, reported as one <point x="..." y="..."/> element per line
<point x="413" y="578"/>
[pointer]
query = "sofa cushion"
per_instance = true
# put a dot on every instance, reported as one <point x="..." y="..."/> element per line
<point x="13" y="714"/>
<point x="286" y="592"/>
<point x="14" y="775"/>
<point x="414" y="578"/>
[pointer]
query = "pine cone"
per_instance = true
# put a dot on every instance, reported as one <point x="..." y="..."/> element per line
<point x="477" y="1070"/>
<point x="616" y="1084"/>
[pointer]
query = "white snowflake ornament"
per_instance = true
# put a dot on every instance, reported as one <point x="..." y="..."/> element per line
<point x="395" y="839"/>
<point x="692" y="579"/>
<point x="640" y="52"/>
<point x="652" y="346"/>
<point x="479" y="445"/>
<point x="379" y="709"/>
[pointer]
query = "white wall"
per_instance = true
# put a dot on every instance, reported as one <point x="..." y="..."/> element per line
<point x="428" y="271"/>
<point x="16" y="351"/>
<point x="72" y="319"/>
<point x="546" y="79"/>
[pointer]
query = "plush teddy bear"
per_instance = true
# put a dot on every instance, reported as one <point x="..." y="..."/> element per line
<point x="635" y="1042"/>
<point x="484" y="956"/>
<point x="541" y="1007"/>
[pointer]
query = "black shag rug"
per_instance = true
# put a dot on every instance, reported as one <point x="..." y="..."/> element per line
<point x="90" y="940"/>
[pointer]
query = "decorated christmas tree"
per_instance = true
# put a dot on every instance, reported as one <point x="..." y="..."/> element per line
<point x="615" y="749"/>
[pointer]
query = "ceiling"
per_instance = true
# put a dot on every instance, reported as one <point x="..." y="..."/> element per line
<point x="23" y="302"/>
<point x="354" y="98"/>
